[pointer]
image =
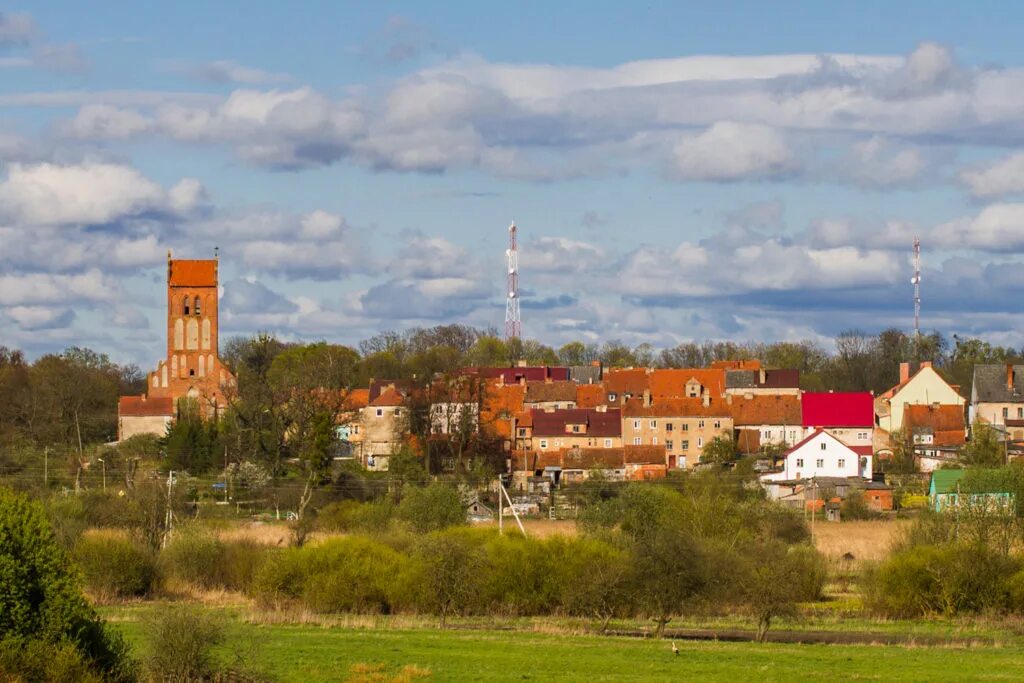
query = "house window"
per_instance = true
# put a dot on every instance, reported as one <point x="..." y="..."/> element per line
<point x="607" y="443"/>
<point x="1020" y="413"/>
<point x="398" y="412"/>
<point x="1006" y="413"/>
<point x="196" y="311"/>
<point x="792" y="437"/>
<point x="611" y="398"/>
<point x="636" y="424"/>
<point x="862" y="435"/>
<point x="700" y="424"/>
<point x="824" y="446"/>
<point x="636" y="440"/>
<point x="543" y="443"/>
<point x="765" y="435"/>
<point x="576" y="429"/>
<point x="700" y="442"/>
<point x="718" y="424"/>
<point x="654" y="441"/>
<point x="668" y="444"/>
<point x="842" y="463"/>
<point x="668" y="427"/>
<point x="380" y="412"/>
<point x="522" y="431"/>
<point x="654" y="424"/>
<point x="799" y="462"/>
<point x="355" y="429"/>
<point x="686" y="426"/>
<point x="820" y="463"/>
<point x="685" y="444"/>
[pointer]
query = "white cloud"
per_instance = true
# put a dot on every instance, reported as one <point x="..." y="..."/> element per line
<point x="89" y="193"/>
<point x="997" y="178"/>
<point x="733" y="151"/>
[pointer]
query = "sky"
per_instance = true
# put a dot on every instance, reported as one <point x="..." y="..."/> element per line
<point x="677" y="171"/>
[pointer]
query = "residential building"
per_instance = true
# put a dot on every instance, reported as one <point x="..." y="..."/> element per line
<point x="765" y="419"/>
<point x="383" y="425"/>
<point x="574" y="465"/>
<point x="143" y="415"/>
<point x="848" y="416"/>
<point x="587" y="374"/>
<point x="937" y="433"/>
<point x="576" y="428"/>
<point x="682" y="425"/>
<point x="821" y="454"/>
<point x="622" y="385"/>
<point x="997" y="394"/>
<point x="761" y="381"/>
<point x="590" y="396"/>
<point x="919" y="384"/>
<point x="550" y="395"/>
<point x="687" y="383"/>
<point x="945" y="494"/>
<point x="350" y="422"/>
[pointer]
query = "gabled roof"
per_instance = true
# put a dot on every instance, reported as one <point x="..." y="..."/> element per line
<point x="773" y="409"/>
<point x="599" y="423"/>
<point x="671" y="383"/>
<point x="379" y="386"/>
<point x="545" y="392"/>
<point x="838" y="409"/>
<point x="945" y="481"/>
<point x="677" y="407"/>
<point x="141" y="406"/>
<point x="389" y="398"/>
<point x="773" y="379"/>
<point x="633" y="381"/>
<point x="590" y="395"/>
<point x="991" y="384"/>
<point x="192" y="273"/>
<point x="589" y="458"/>
<point x="945" y="422"/>
<point x="819" y="432"/>
<point x="357" y="399"/>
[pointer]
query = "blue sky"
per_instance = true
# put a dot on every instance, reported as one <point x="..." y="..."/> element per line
<point x="678" y="171"/>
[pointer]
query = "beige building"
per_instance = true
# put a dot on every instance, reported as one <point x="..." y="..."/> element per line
<point x="142" y="415"/>
<point x="553" y="430"/>
<point x="919" y="384"/>
<point x="382" y="427"/>
<point x="997" y="394"/>
<point x="682" y="425"/>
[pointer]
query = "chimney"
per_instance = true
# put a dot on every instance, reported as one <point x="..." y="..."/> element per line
<point x="706" y="400"/>
<point x="1009" y="376"/>
<point x="521" y="364"/>
<point x="924" y="364"/>
<point x="762" y="376"/>
<point x="647" y="398"/>
<point x="904" y="372"/>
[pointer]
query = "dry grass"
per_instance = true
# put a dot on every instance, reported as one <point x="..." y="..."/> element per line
<point x="866" y="541"/>
<point x="378" y="673"/>
<point x="538" y="528"/>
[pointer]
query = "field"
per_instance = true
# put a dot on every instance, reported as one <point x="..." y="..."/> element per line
<point x="315" y="653"/>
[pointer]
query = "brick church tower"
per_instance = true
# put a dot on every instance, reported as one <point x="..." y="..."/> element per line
<point x="192" y="368"/>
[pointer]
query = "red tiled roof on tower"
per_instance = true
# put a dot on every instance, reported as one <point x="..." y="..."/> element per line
<point x="838" y="409"/>
<point x="192" y="273"/>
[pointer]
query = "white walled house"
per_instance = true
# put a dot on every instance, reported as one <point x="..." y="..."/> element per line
<point x="821" y="455"/>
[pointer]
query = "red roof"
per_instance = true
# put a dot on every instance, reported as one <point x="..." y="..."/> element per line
<point x="838" y="409"/>
<point x="389" y="398"/>
<point x="141" y="406"/>
<point x="192" y="273"/>
<point x="517" y="373"/>
<point x="599" y="423"/>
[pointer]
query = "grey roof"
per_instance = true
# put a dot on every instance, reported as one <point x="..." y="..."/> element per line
<point x="741" y="379"/>
<point x="990" y="385"/>
<point x="585" y="374"/>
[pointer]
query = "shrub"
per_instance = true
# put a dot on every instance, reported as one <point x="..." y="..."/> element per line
<point x="450" y="568"/>
<point x="40" y="596"/>
<point x="855" y="507"/>
<point x="37" y="660"/>
<point x="352" y="516"/>
<point x="114" y="566"/>
<point x="67" y="519"/>
<point x="181" y="645"/>
<point x="432" y="508"/>
<point x="194" y="558"/>
<point x="521" y="577"/>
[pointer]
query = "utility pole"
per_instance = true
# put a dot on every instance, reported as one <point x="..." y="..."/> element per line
<point x="104" y="463"/>
<point x="169" y="516"/>
<point x="501" y="523"/>
<point x="46" y="467"/>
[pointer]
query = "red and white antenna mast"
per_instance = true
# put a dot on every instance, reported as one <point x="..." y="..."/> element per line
<point x="512" y="324"/>
<point x="916" y="281"/>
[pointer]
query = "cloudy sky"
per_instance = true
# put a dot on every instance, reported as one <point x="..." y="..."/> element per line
<point x="739" y="170"/>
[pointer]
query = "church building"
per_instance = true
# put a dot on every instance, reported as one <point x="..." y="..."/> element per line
<point x="192" y="367"/>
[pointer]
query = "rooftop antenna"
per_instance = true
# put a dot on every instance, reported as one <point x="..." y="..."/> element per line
<point x="216" y="252"/>
<point x="916" y="281"/>
<point x="512" y="323"/>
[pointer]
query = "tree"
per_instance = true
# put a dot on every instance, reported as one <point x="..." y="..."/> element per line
<point x="720" y="450"/>
<point x="191" y="442"/>
<point x="776" y="577"/>
<point x="986" y="447"/>
<point x="670" y="570"/>
<point x="40" y="595"/>
<point x="598" y="580"/>
<point x="451" y="565"/>
<point x="432" y="508"/>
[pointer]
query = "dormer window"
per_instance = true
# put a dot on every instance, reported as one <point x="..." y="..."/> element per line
<point x="611" y="398"/>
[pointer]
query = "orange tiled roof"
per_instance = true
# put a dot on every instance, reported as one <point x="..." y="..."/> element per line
<point x="357" y="399"/>
<point x="192" y="273"/>
<point x="945" y="421"/>
<point x="677" y="407"/>
<point x="546" y="392"/>
<point x="141" y="406"/>
<point x="672" y="383"/>
<point x="388" y="398"/>
<point x="590" y="395"/>
<point x="769" y="409"/>
<point x="633" y="381"/>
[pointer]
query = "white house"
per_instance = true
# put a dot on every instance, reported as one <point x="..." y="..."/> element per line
<point x="821" y="455"/>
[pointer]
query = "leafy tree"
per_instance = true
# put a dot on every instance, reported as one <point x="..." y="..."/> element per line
<point x="191" y="442"/>
<point x="985" y="448"/>
<point x="40" y="597"/>
<point x="720" y="450"/>
<point x="598" y="581"/>
<point x="776" y="577"/>
<point x="450" y="566"/>
<point x="432" y="508"/>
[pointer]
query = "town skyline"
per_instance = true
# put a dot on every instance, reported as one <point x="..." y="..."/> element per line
<point x="361" y="177"/>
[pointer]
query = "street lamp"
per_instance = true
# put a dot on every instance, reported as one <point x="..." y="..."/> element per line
<point x="104" y="463"/>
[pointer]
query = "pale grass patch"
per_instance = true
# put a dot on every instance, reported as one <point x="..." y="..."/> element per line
<point x="867" y="541"/>
<point x="363" y="672"/>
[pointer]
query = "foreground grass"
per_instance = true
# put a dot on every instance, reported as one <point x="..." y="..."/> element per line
<point x="315" y="653"/>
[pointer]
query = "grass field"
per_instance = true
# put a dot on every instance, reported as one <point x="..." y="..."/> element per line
<point x="314" y="653"/>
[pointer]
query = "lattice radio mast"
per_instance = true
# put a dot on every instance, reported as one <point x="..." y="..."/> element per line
<point x="916" y="281"/>
<point x="512" y="324"/>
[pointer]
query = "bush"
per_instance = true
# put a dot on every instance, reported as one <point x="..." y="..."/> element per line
<point x="855" y="507"/>
<point x="40" y="596"/>
<point x="432" y="508"/>
<point x="351" y="516"/>
<point x="114" y="566"/>
<point x="194" y="558"/>
<point x="181" y="645"/>
<point x="341" y="575"/>
<point x="37" y="660"/>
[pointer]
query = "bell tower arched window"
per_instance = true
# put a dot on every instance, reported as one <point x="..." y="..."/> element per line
<point x="197" y="309"/>
<point x="184" y="306"/>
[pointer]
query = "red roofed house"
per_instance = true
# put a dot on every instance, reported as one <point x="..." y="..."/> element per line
<point x="142" y="415"/>
<point x="848" y="416"/>
<point x="576" y="428"/>
<point x="822" y="455"/>
<point x="682" y="425"/>
<point x="760" y="420"/>
<point x="382" y="424"/>
<point x="942" y="427"/>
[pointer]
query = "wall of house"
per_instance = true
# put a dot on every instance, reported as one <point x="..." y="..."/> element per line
<point x="133" y="425"/>
<point x="777" y="434"/>
<point x="569" y="440"/>
<point x="924" y="388"/>
<point x="549" y="405"/>
<point x="851" y="436"/>
<point x="823" y="457"/>
<point x="683" y="437"/>
<point x="993" y="413"/>
<point x="380" y="430"/>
